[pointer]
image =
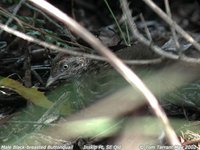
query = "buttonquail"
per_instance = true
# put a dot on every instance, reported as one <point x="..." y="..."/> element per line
<point x="65" y="66"/>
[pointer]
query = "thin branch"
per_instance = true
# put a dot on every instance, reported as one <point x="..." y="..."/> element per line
<point x="16" y="9"/>
<point x="51" y="20"/>
<point x="118" y="26"/>
<point x="169" y="21"/>
<point x="159" y="112"/>
<point x="172" y="27"/>
<point x="72" y="51"/>
<point x="155" y="48"/>
<point x="148" y="34"/>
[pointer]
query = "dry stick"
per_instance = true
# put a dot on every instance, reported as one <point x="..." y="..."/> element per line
<point x="157" y="49"/>
<point x="168" y="20"/>
<point x="172" y="27"/>
<point x="170" y="133"/>
<point x="8" y="14"/>
<point x="72" y="51"/>
<point x="54" y="22"/>
<point x="16" y="9"/>
<point x="148" y="34"/>
<point x="46" y="16"/>
<point x="126" y="72"/>
<point x="22" y="23"/>
<point x="116" y="22"/>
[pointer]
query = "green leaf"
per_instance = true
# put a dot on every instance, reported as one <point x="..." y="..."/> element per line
<point x="31" y="94"/>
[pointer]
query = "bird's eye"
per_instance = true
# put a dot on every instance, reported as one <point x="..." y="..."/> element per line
<point x="65" y="66"/>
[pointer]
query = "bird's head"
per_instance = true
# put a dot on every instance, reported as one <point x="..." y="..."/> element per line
<point x="66" y="67"/>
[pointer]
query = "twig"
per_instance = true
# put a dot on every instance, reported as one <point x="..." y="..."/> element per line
<point x="21" y="23"/>
<point x="72" y="51"/>
<point x="126" y="72"/>
<point x="8" y="14"/>
<point x="118" y="26"/>
<point x="172" y="27"/>
<point x="155" y="48"/>
<point x="146" y="28"/>
<point x="16" y="9"/>
<point x="131" y="62"/>
<point x="192" y="142"/>
<point x="159" y="112"/>
<point x="169" y="21"/>
<point x="50" y="20"/>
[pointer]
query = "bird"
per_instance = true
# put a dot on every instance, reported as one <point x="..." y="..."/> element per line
<point x="87" y="80"/>
<point x="66" y="67"/>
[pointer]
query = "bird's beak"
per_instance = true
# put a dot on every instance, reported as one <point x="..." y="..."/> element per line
<point x="50" y="81"/>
